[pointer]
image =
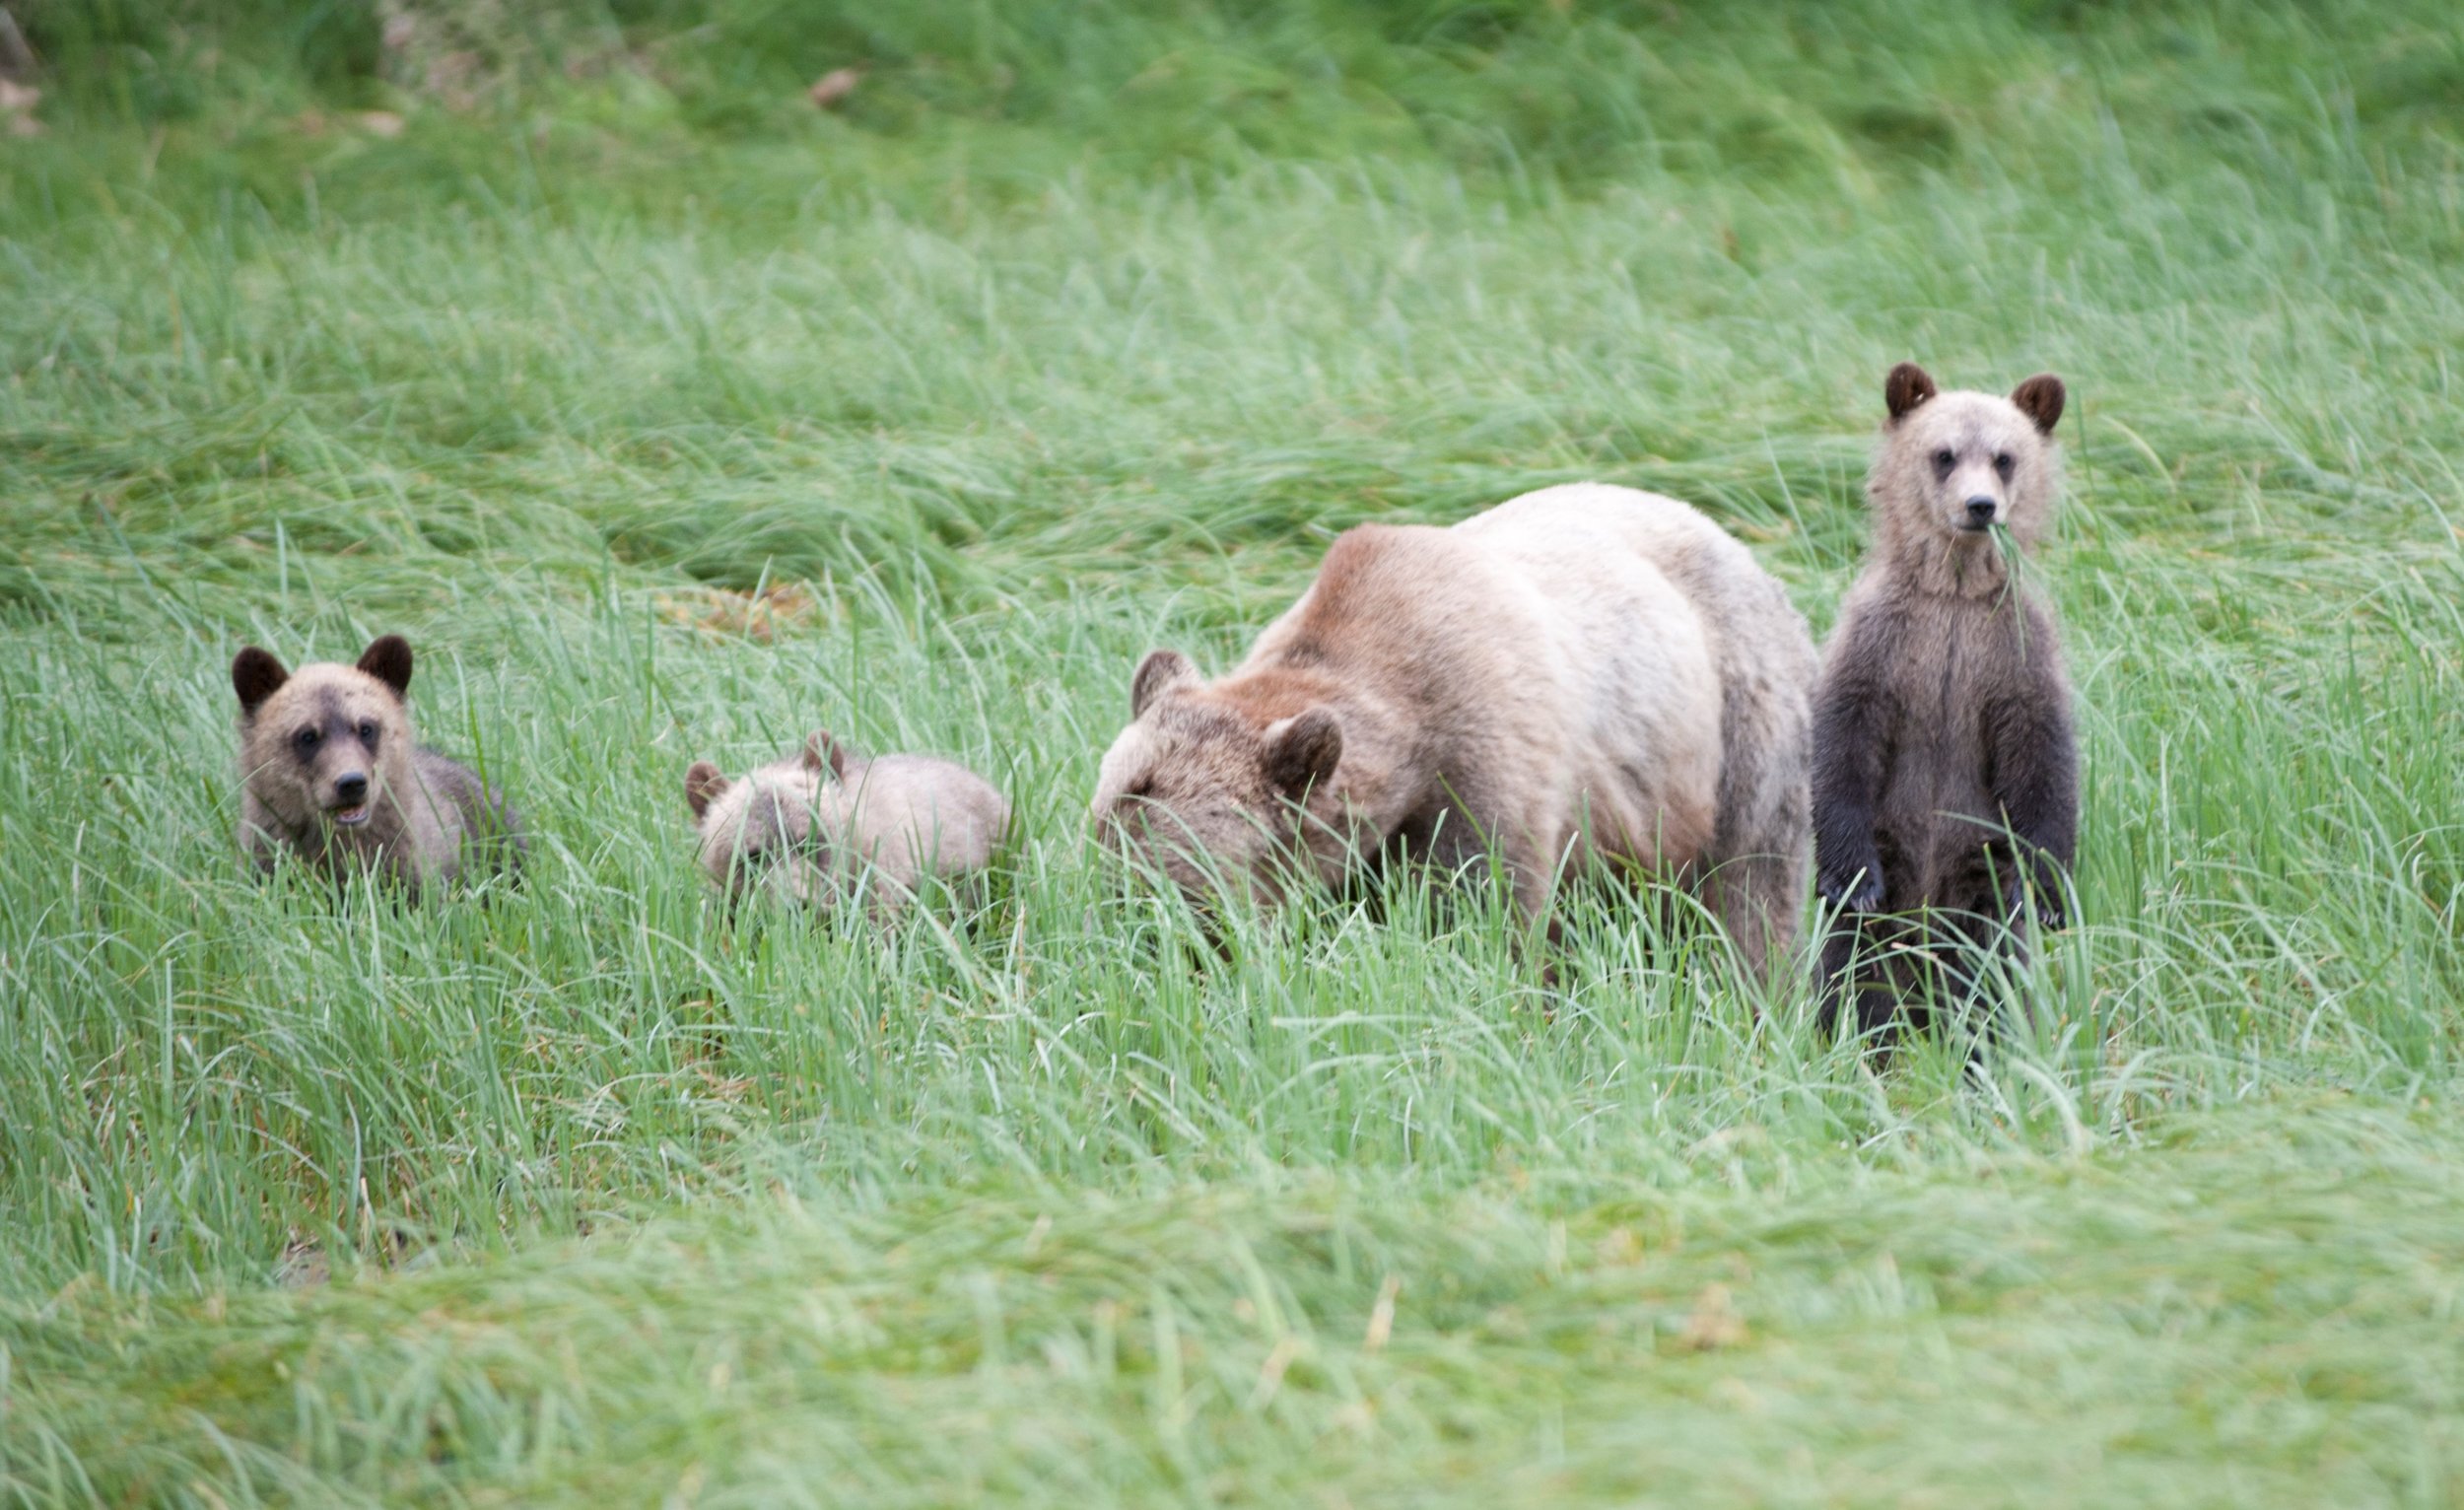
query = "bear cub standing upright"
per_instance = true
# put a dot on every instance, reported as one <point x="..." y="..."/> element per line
<point x="1946" y="776"/>
<point x="329" y="769"/>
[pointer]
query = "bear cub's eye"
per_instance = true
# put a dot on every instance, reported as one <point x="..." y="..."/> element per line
<point x="307" y="738"/>
<point x="368" y="732"/>
<point x="2004" y="464"/>
<point x="1941" y="462"/>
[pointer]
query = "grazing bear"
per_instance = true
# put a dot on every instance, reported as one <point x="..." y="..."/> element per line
<point x="331" y="770"/>
<point x="1581" y="672"/>
<point x="1945" y="782"/>
<point x="806" y="828"/>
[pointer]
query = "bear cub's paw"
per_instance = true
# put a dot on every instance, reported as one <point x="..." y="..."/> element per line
<point x="1854" y="886"/>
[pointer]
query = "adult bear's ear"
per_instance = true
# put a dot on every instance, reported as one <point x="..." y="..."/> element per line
<point x="2040" y="398"/>
<point x="702" y="786"/>
<point x="1303" y="750"/>
<point x="256" y="675"/>
<point x="388" y="659"/>
<point x="823" y="752"/>
<point x="1906" y="387"/>
<point x="1158" y="672"/>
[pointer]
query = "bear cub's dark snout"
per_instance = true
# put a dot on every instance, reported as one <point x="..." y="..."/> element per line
<point x="1980" y="512"/>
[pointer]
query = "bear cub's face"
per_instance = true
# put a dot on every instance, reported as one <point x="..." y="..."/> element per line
<point x="1959" y="463"/>
<point x="762" y="835"/>
<point x="1197" y="793"/>
<point x="322" y="744"/>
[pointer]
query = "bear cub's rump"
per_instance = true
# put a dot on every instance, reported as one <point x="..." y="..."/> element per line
<point x="1946" y="776"/>
<point x="809" y="828"/>
<point x="331" y="770"/>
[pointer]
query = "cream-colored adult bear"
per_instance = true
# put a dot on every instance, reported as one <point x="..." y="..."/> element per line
<point x="1581" y="672"/>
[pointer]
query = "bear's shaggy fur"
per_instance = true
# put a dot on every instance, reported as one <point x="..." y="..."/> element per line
<point x="329" y="769"/>
<point x="1946" y="779"/>
<point x="1582" y="671"/>
<point x="806" y="829"/>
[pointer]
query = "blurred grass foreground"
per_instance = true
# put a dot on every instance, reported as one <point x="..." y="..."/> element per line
<point x="682" y="376"/>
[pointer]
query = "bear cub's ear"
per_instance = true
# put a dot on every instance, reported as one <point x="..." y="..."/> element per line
<point x="256" y="675"/>
<point x="388" y="659"/>
<point x="823" y="752"/>
<point x="1303" y="750"/>
<point x="1160" y="671"/>
<point x="702" y="786"/>
<point x="1906" y="387"/>
<point x="2040" y="399"/>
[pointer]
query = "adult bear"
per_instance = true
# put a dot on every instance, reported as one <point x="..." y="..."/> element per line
<point x="1582" y="673"/>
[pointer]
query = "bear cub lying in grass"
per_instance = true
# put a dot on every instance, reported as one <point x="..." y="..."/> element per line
<point x="809" y="828"/>
<point x="1946" y="776"/>
<point x="1581" y="673"/>
<point x="331" y="770"/>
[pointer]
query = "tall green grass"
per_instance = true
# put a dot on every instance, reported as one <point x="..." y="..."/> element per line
<point x="671" y="417"/>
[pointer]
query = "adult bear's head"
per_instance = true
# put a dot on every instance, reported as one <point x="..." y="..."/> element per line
<point x="1217" y="789"/>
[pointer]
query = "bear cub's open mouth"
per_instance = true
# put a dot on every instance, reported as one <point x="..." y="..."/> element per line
<point x="350" y="817"/>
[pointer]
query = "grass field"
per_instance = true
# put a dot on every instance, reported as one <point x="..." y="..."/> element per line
<point x="670" y="416"/>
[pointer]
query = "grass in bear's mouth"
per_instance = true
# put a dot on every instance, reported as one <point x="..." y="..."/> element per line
<point x="1072" y="333"/>
<point x="2016" y="571"/>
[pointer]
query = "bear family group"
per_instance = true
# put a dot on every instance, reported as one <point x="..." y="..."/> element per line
<point x="1584" y="676"/>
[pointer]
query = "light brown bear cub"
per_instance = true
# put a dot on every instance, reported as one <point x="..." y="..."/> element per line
<point x="1582" y="673"/>
<point x="1945" y="777"/>
<point x="331" y="770"/>
<point x="811" y="827"/>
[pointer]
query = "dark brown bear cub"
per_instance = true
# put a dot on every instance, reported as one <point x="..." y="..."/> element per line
<point x="1946" y="775"/>
<point x="329" y="769"/>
